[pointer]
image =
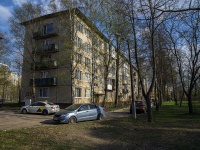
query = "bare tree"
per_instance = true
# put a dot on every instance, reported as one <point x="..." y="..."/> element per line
<point x="184" y="34"/>
<point x="24" y="15"/>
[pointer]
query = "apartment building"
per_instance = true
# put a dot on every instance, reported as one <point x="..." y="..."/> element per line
<point x="67" y="60"/>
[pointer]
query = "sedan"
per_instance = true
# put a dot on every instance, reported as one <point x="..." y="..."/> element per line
<point x="140" y="107"/>
<point x="44" y="108"/>
<point x="80" y="112"/>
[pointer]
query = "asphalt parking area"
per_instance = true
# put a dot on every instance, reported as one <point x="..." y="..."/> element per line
<point x="16" y="120"/>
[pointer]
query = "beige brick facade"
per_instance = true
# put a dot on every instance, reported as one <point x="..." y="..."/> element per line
<point x="64" y="59"/>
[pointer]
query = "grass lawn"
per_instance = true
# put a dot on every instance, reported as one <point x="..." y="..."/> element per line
<point x="173" y="128"/>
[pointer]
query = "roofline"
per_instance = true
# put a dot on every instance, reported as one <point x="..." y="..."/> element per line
<point x="77" y="12"/>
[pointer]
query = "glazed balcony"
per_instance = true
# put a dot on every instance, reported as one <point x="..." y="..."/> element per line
<point x="42" y="35"/>
<point x="44" y="82"/>
<point x="52" y="48"/>
<point x="51" y="64"/>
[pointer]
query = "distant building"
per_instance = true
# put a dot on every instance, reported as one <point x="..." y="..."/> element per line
<point x="64" y="61"/>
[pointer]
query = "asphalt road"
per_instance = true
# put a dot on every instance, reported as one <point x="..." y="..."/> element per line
<point x="15" y="120"/>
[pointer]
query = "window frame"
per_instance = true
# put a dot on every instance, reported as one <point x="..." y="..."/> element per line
<point x="78" y="74"/>
<point x="41" y="92"/>
<point x="87" y="95"/>
<point x="79" y="94"/>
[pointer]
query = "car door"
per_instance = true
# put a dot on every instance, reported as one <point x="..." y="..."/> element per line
<point x="40" y="107"/>
<point x="92" y="112"/>
<point x="33" y="107"/>
<point x="83" y="113"/>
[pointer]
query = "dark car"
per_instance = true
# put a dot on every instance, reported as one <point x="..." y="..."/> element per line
<point x="140" y="107"/>
<point x="80" y="112"/>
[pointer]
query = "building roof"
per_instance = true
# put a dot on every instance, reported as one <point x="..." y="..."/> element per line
<point x="78" y="13"/>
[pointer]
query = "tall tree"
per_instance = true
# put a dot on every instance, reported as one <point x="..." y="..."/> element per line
<point x="25" y="13"/>
<point x="184" y="34"/>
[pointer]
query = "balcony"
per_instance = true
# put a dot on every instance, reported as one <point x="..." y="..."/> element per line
<point x="44" y="82"/>
<point x="52" y="48"/>
<point x="51" y="64"/>
<point x="41" y="35"/>
<point x="109" y="87"/>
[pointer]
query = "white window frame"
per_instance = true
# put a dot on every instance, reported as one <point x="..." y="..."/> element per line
<point x="78" y="74"/>
<point x="78" y="92"/>
<point x="44" y="74"/>
<point x="41" y="92"/>
<point x="78" y="42"/>
<point x="87" y="93"/>
<point x="87" y="77"/>
<point x="87" y="48"/>
<point x="87" y="62"/>
<point x="79" y="27"/>
<point x="79" y="58"/>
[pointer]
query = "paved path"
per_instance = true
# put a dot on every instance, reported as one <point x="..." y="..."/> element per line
<point x="15" y="120"/>
<point x="119" y="113"/>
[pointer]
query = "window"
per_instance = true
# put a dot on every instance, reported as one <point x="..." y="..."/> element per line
<point x="100" y="45"/>
<point x="78" y="75"/>
<point x="95" y="42"/>
<point x="87" y="62"/>
<point x="44" y="74"/>
<point x="87" y="93"/>
<point x="92" y="106"/>
<point x="110" y="81"/>
<point x="79" y="27"/>
<point x="45" y="44"/>
<point x="78" y="42"/>
<point x="87" y="33"/>
<point x="44" y="92"/>
<point x="78" y="92"/>
<point x="48" y="28"/>
<point x="79" y="58"/>
<point x="87" y="48"/>
<point x="101" y="81"/>
<point x="84" y="107"/>
<point x="87" y="77"/>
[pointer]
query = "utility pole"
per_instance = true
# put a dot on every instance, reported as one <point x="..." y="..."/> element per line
<point x="131" y="76"/>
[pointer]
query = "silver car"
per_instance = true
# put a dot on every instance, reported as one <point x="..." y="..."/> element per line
<point x="44" y="108"/>
<point x="80" y="112"/>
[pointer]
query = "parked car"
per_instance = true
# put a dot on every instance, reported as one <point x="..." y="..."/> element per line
<point x="140" y="107"/>
<point x="44" y="108"/>
<point x="80" y="112"/>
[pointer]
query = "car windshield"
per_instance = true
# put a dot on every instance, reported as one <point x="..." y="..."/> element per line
<point x="138" y="102"/>
<point x="73" y="107"/>
<point x="50" y="103"/>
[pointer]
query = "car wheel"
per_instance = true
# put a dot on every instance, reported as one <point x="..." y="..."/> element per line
<point x="99" y="117"/>
<point x="24" y="111"/>
<point x="72" y="120"/>
<point x="45" y="112"/>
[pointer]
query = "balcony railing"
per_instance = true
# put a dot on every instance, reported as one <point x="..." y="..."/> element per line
<point x="52" y="48"/>
<point x="44" y="82"/>
<point x="41" y="35"/>
<point x="51" y="64"/>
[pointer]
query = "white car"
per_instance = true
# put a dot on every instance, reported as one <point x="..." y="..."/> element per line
<point x="44" y="108"/>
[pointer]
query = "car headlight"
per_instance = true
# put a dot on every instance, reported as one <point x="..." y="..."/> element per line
<point x="63" y="116"/>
